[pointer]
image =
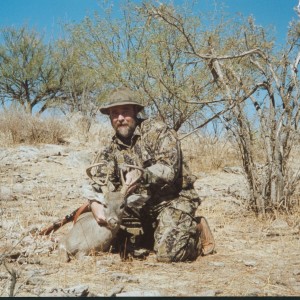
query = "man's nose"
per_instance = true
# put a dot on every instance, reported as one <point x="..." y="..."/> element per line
<point x="121" y="117"/>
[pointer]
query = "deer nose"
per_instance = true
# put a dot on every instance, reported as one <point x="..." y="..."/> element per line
<point x="113" y="223"/>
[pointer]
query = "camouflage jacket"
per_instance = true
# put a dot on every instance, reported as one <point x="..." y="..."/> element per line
<point x="155" y="148"/>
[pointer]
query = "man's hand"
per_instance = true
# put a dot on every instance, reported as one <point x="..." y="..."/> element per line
<point x="98" y="212"/>
<point x="132" y="176"/>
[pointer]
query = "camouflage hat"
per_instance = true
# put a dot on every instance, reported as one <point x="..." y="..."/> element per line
<point x="121" y="96"/>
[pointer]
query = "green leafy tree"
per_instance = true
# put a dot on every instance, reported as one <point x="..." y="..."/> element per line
<point x="81" y="86"/>
<point x="28" y="74"/>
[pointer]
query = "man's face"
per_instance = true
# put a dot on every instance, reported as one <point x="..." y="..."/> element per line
<point x="123" y="119"/>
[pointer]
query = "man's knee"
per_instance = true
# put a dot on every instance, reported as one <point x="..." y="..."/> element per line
<point x="175" y="236"/>
<point x="184" y="250"/>
<point x="164" y="258"/>
<point x="165" y="255"/>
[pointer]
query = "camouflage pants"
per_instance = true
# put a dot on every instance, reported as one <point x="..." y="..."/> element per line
<point x="175" y="237"/>
<point x="170" y="228"/>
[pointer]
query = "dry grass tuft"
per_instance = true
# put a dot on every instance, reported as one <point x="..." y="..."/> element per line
<point x="19" y="127"/>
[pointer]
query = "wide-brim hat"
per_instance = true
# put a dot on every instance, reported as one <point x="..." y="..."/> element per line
<point x="121" y="96"/>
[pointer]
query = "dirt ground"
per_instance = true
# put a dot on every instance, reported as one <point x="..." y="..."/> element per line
<point x="40" y="184"/>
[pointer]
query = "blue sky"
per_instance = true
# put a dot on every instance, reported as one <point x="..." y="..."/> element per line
<point x="46" y="15"/>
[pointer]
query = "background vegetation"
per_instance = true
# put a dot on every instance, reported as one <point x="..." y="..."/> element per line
<point x="231" y="80"/>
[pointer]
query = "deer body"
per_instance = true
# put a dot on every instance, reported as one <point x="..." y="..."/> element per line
<point x="87" y="236"/>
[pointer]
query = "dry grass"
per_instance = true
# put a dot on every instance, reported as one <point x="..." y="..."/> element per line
<point x="271" y="252"/>
<point x="88" y="132"/>
<point x="208" y="154"/>
<point x="204" y="154"/>
<point x="17" y="127"/>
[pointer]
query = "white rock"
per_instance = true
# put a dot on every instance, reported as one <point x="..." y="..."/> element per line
<point x="279" y="224"/>
<point x="139" y="294"/>
<point x="79" y="159"/>
<point x="217" y="264"/>
<point x="18" y="188"/>
<point x="28" y="152"/>
<point x="250" y="263"/>
<point x="5" y="193"/>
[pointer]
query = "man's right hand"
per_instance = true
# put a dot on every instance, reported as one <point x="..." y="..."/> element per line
<point x="98" y="212"/>
<point x="131" y="176"/>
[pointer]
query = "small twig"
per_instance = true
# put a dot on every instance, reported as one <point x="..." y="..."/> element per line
<point x="57" y="162"/>
<point x="13" y="275"/>
<point x="206" y="122"/>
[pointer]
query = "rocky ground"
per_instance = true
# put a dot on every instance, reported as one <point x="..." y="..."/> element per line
<point x="40" y="184"/>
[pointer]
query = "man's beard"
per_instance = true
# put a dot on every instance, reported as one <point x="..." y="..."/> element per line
<point x="125" y="131"/>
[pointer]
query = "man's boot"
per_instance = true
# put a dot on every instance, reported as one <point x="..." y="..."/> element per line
<point x="206" y="237"/>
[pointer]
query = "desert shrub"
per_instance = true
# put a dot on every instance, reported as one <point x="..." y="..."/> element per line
<point x="17" y="127"/>
<point x="208" y="154"/>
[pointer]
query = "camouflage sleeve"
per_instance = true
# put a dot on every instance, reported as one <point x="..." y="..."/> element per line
<point x="165" y="151"/>
<point x="105" y="171"/>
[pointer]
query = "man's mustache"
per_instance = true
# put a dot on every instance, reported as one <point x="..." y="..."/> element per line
<point x="121" y="124"/>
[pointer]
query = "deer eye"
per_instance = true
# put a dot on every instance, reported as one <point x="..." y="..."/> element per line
<point x="104" y="205"/>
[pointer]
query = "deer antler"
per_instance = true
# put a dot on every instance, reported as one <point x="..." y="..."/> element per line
<point x="127" y="189"/>
<point x="97" y="180"/>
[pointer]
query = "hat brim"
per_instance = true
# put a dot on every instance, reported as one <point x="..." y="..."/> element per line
<point x="105" y="109"/>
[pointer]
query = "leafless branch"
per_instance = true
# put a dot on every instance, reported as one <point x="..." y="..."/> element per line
<point x="295" y="65"/>
<point x="205" y="102"/>
<point x="224" y="57"/>
<point x="207" y="121"/>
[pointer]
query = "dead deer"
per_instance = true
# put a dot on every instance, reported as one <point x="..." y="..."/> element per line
<point x="87" y="236"/>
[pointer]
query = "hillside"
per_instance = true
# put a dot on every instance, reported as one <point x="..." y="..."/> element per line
<point x="40" y="184"/>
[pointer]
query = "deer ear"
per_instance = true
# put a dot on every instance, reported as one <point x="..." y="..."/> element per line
<point x="100" y="198"/>
<point x="137" y="200"/>
<point x="89" y="193"/>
